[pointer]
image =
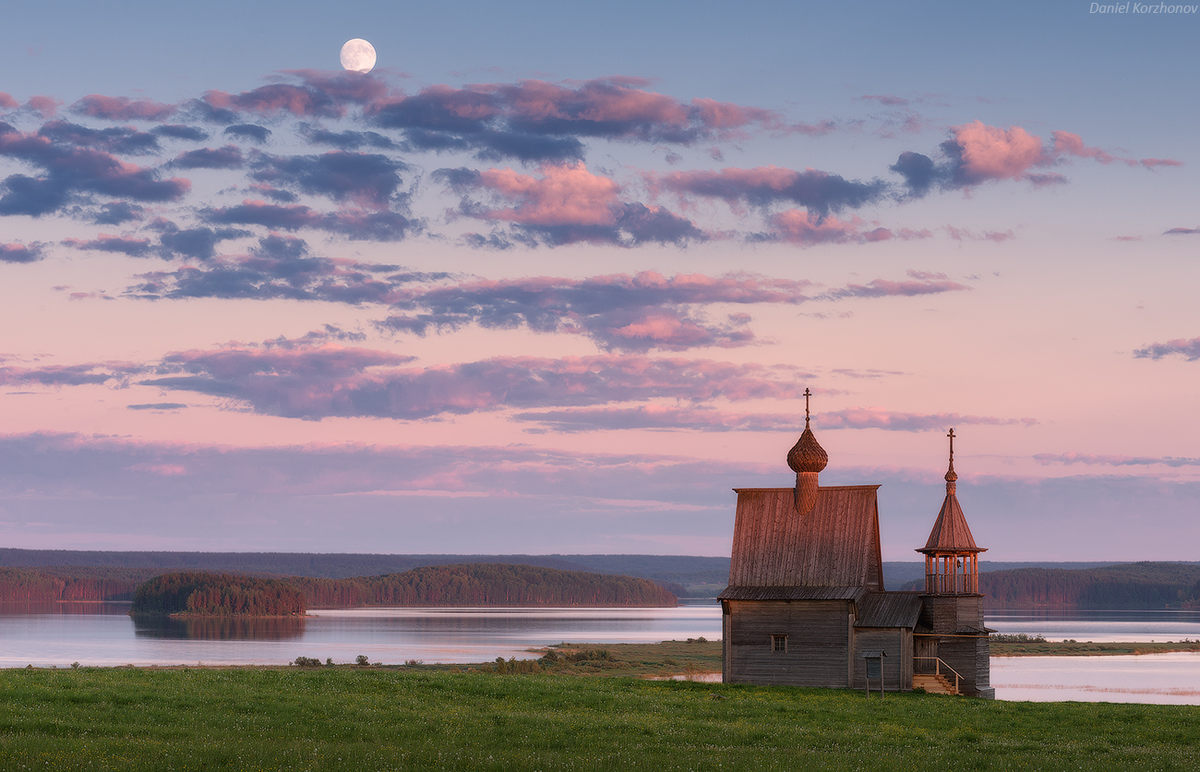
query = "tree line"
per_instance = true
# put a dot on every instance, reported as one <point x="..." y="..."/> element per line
<point x="233" y="594"/>
<point x="484" y="584"/>
<point x="75" y="583"/>
<point x="1145" y="585"/>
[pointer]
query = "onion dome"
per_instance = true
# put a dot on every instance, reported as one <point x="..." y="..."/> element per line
<point x="806" y="458"/>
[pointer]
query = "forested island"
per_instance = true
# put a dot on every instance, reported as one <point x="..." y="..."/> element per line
<point x="194" y="593"/>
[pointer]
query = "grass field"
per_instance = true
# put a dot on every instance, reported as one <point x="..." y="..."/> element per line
<point x="335" y="718"/>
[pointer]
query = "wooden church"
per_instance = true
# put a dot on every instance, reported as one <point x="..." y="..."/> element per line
<point x="806" y="606"/>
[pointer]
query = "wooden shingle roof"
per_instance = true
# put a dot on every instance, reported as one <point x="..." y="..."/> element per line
<point x="741" y="592"/>
<point x="950" y="531"/>
<point x="836" y="544"/>
<point x="889" y="609"/>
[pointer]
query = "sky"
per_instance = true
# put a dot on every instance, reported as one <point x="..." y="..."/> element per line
<point x="554" y="279"/>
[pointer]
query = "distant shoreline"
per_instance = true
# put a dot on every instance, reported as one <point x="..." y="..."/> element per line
<point x="1088" y="648"/>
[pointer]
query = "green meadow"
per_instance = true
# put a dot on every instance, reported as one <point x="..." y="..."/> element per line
<point x="369" y="718"/>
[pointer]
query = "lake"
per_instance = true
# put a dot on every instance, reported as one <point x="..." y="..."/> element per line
<point x="103" y="634"/>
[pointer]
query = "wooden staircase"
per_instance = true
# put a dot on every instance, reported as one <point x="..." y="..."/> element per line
<point x="933" y="683"/>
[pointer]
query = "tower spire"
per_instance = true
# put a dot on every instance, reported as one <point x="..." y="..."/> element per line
<point x="951" y="475"/>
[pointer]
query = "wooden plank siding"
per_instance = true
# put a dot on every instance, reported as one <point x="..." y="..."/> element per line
<point x="836" y="544"/>
<point x="897" y="644"/>
<point x="819" y="642"/>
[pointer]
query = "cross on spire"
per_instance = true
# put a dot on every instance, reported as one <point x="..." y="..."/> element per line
<point x="951" y="436"/>
<point x="807" y="394"/>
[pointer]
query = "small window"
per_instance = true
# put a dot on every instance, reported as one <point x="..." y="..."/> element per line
<point x="779" y="644"/>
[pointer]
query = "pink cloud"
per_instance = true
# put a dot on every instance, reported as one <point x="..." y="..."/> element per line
<point x="963" y="234"/>
<point x="122" y="108"/>
<point x="564" y="194"/>
<point x="16" y="252"/>
<point x="7" y="102"/>
<point x="991" y="153"/>
<point x="166" y="470"/>
<point x="278" y="97"/>
<point x="1150" y="163"/>
<point x="918" y="285"/>
<point x="44" y="105"/>
<point x="799" y="227"/>
<point x="1066" y="143"/>
<point x="1072" y="144"/>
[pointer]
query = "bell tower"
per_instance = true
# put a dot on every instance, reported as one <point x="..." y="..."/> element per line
<point x="951" y="556"/>
<point x="953" y="630"/>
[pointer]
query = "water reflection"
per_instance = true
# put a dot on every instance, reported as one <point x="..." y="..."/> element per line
<point x="218" y="628"/>
<point x="72" y="607"/>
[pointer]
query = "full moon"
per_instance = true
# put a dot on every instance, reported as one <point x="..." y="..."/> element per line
<point x="358" y="55"/>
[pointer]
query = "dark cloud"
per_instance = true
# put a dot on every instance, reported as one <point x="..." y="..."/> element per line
<point x="20" y="253"/>
<point x="123" y="140"/>
<point x="1188" y="349"/>
<point x="336" y="381"/>
<point x="179" y="131"/>
<point x="158" y="406"/>
<point x="633" y="224"/>
<point x="280" y="267"/>
<point x="199" y="243"/>
<point x="1181" y="232"/>
<point x="819" y="192"/>
<point x="125" y="245"/>
<point x="347" y="140"/>
<point x="623" y="312"/>
<point x="227" y="157"/>
<point x="541" y="121"/>
<point x="69" y="375"/>
<point x="247" y="131"/>
<point x="117" y="212"/>
<point x="366" y="179"/>
<point x="919" y="172"/>
<point x="70" y="171"/>
<point x="320" y="94"/>
<point x="354" y="224"/>
<point x="20" y="194"/>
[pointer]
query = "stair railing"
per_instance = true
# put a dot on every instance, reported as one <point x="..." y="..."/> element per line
<point x="938" y="664"/>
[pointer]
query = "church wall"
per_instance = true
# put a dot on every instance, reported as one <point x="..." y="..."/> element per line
<point x="817" y="647"/>
<point x="897" y="644"/>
